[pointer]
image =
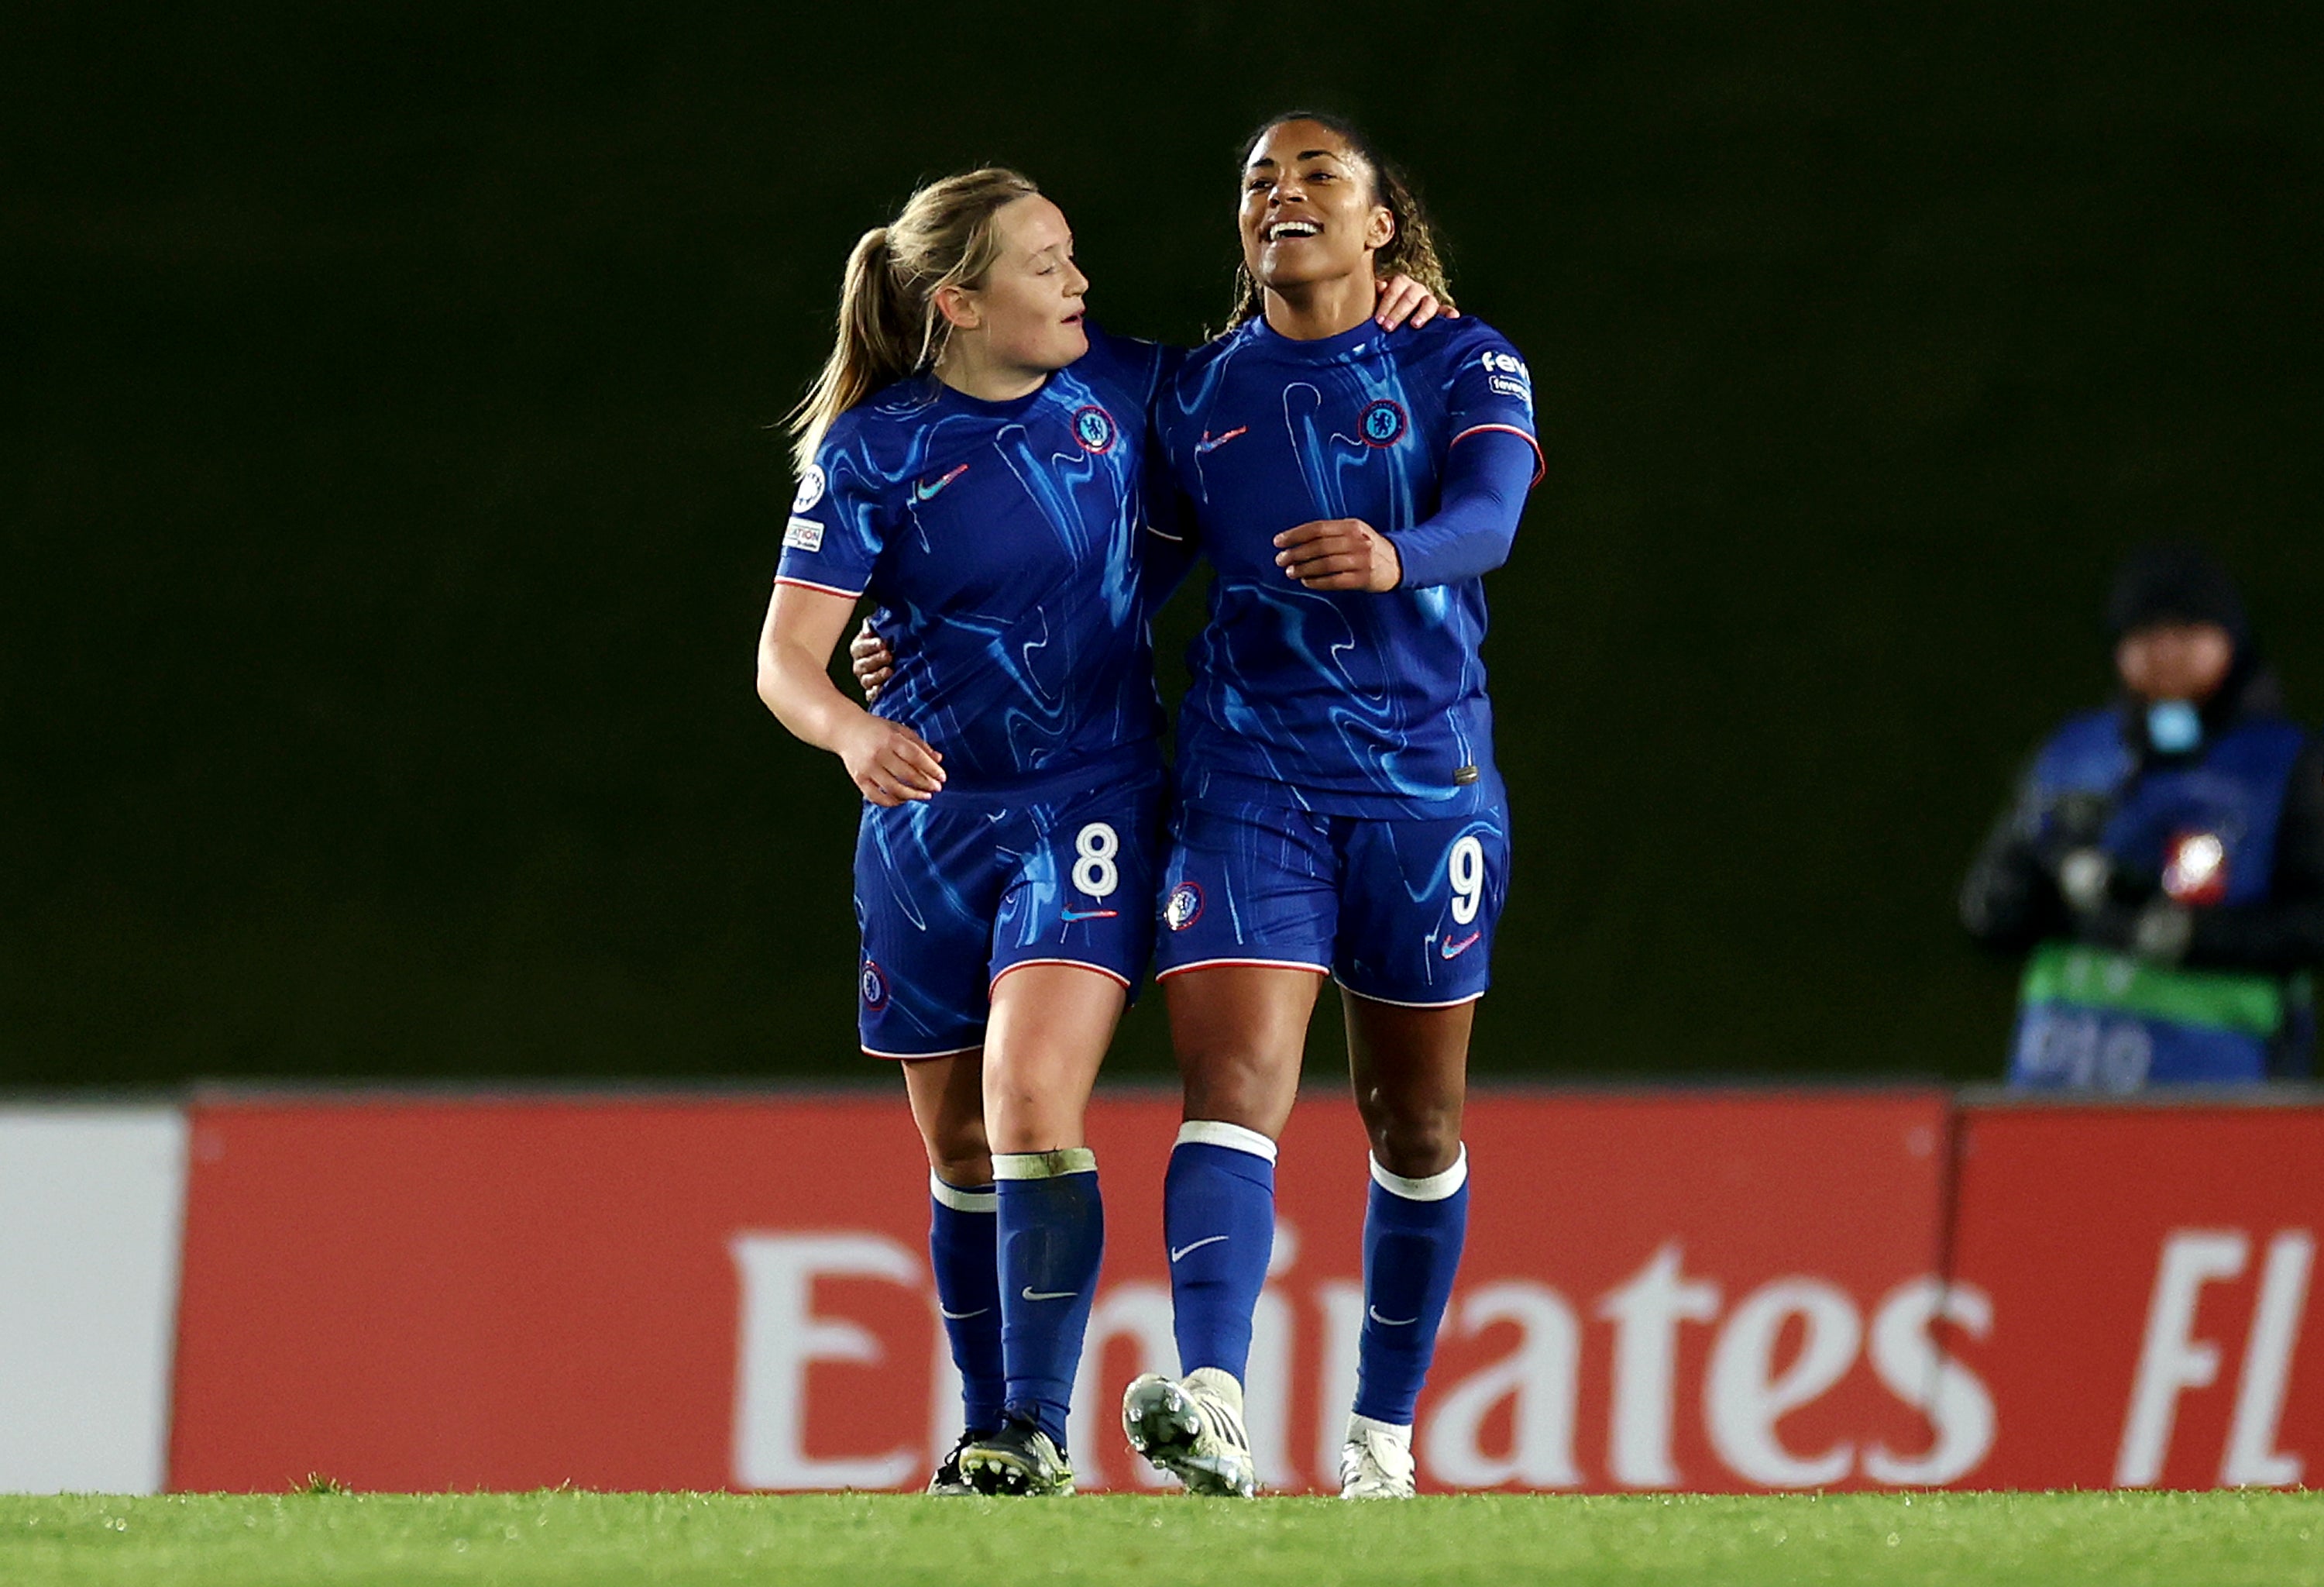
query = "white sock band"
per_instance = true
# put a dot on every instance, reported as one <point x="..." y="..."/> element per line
<point x="1219" y="1132"/>
<point x="982" y="1199"/>
<point x="1435" y="1187"/>
<point x="1044" y="1164"/>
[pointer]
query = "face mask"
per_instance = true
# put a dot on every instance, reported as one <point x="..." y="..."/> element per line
<point x="2174" y="726"/>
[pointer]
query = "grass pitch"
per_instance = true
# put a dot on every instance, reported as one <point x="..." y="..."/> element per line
<point x="571" y="1539"/>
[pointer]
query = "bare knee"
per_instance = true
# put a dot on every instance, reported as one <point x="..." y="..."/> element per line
<point x="1027" y="1117"/>
<point x="1239" y="1032"/>
<point x="948" y="1107"/>
<point x="958" y="1153"/>
<point x="1414" y="1142"/>
<point x="1410" y="1070"/>
<point x="1234" y="1085"/>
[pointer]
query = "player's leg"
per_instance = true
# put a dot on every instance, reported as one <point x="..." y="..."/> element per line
<point x="1246" y="941"/>
<point x="1048" y="1033"/>
<point x="1247" y="928"/>
<point x="1072" y="937"/>
<point x="947" y="1097"/>
<point x="923" y="903"/>
<point x="1410" y="1071"/>
<point x="1421" y="902"/>
<point x="1239" y="1033"/>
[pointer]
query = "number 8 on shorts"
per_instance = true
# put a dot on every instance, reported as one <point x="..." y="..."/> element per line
<point x="1095" y="873"/>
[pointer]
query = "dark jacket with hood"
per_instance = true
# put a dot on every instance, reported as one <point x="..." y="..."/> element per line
<point x="2142" y="918"/>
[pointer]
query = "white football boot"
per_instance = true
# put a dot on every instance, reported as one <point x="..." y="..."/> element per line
<point x="1375" y="1463"/>
<point x="1192" y="1428"/>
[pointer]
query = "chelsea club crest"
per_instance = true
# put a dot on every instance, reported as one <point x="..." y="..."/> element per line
<point x="1184" y="908"/>
<point x="1094" y="429"/>
<point x="1382" y="423"/>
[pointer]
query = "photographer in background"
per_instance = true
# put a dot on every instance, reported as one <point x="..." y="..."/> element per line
<point x="2163" y="865"/>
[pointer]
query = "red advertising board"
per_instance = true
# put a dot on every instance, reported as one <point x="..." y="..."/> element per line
<point x="2145" y="1276"/>
<point x="512" y="1294"/>
<point x="1706" y="1292"/>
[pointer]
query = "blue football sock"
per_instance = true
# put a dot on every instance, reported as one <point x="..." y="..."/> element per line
<point x="961" y="1251"/>
<point x="1413" y="1230"/>
<point x="1052" y="1236"/>
<point x="1218" y="1218"/>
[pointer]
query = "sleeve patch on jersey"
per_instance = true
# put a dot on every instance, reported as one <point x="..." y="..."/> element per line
<point x="810" y="488"/>
<point x="1510" y="386"/>
<point x="803" y="534"/>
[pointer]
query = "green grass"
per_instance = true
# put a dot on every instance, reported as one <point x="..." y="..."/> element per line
<point x="570" y="1538"/>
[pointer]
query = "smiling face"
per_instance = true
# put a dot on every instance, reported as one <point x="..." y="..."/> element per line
<point x="1309" y="210"/>
<point x="1026" y="314"/>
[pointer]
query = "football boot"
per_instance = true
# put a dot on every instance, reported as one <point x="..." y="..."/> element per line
<point x="1192" y="1428"/>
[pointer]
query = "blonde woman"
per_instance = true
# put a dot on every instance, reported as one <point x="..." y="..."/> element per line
<point x="973" y="458"/>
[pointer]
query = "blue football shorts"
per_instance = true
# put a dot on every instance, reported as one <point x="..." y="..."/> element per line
<point x="1399" y="910"/>
<point x="954" y="892"/>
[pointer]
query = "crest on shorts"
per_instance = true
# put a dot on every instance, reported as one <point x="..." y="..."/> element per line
<point x="1185" y="906"/>
<point x="1094" y="429"/>
<point x="875" y="983"/>
<point x="1382" y="423"/>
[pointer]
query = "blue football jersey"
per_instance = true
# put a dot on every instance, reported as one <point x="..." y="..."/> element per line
<point x="1003" y="543"/>
<point x="1347" y="703"/>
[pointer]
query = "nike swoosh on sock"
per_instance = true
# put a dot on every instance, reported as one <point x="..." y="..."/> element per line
<point x="1198" y="1245"/>
<point x="1030" y="1294"/>
<point x="1391" y="1322"/>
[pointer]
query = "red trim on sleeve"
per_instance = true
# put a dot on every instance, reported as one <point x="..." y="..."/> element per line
<point x="808" y="583"/>
<point x="1540" y="462"/>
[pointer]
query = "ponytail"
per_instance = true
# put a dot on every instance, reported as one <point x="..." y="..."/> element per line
<point x="1412" y="250"/>
<point x="889" y="326"/>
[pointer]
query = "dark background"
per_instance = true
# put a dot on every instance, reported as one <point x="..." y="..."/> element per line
<point x="390" y="498"/>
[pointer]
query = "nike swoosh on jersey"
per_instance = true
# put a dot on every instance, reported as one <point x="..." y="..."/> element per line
<point x="1453" y="950"/>
<point x="1211" y="443"/>
<point x="962" y="1316"/>
<point x="926" y="492"/>
<point x="1391" y="1321"/>
<point x="1087" y="914"/>
<point x="1030" y="1294"/>
<point x="1198" y="1245"/>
